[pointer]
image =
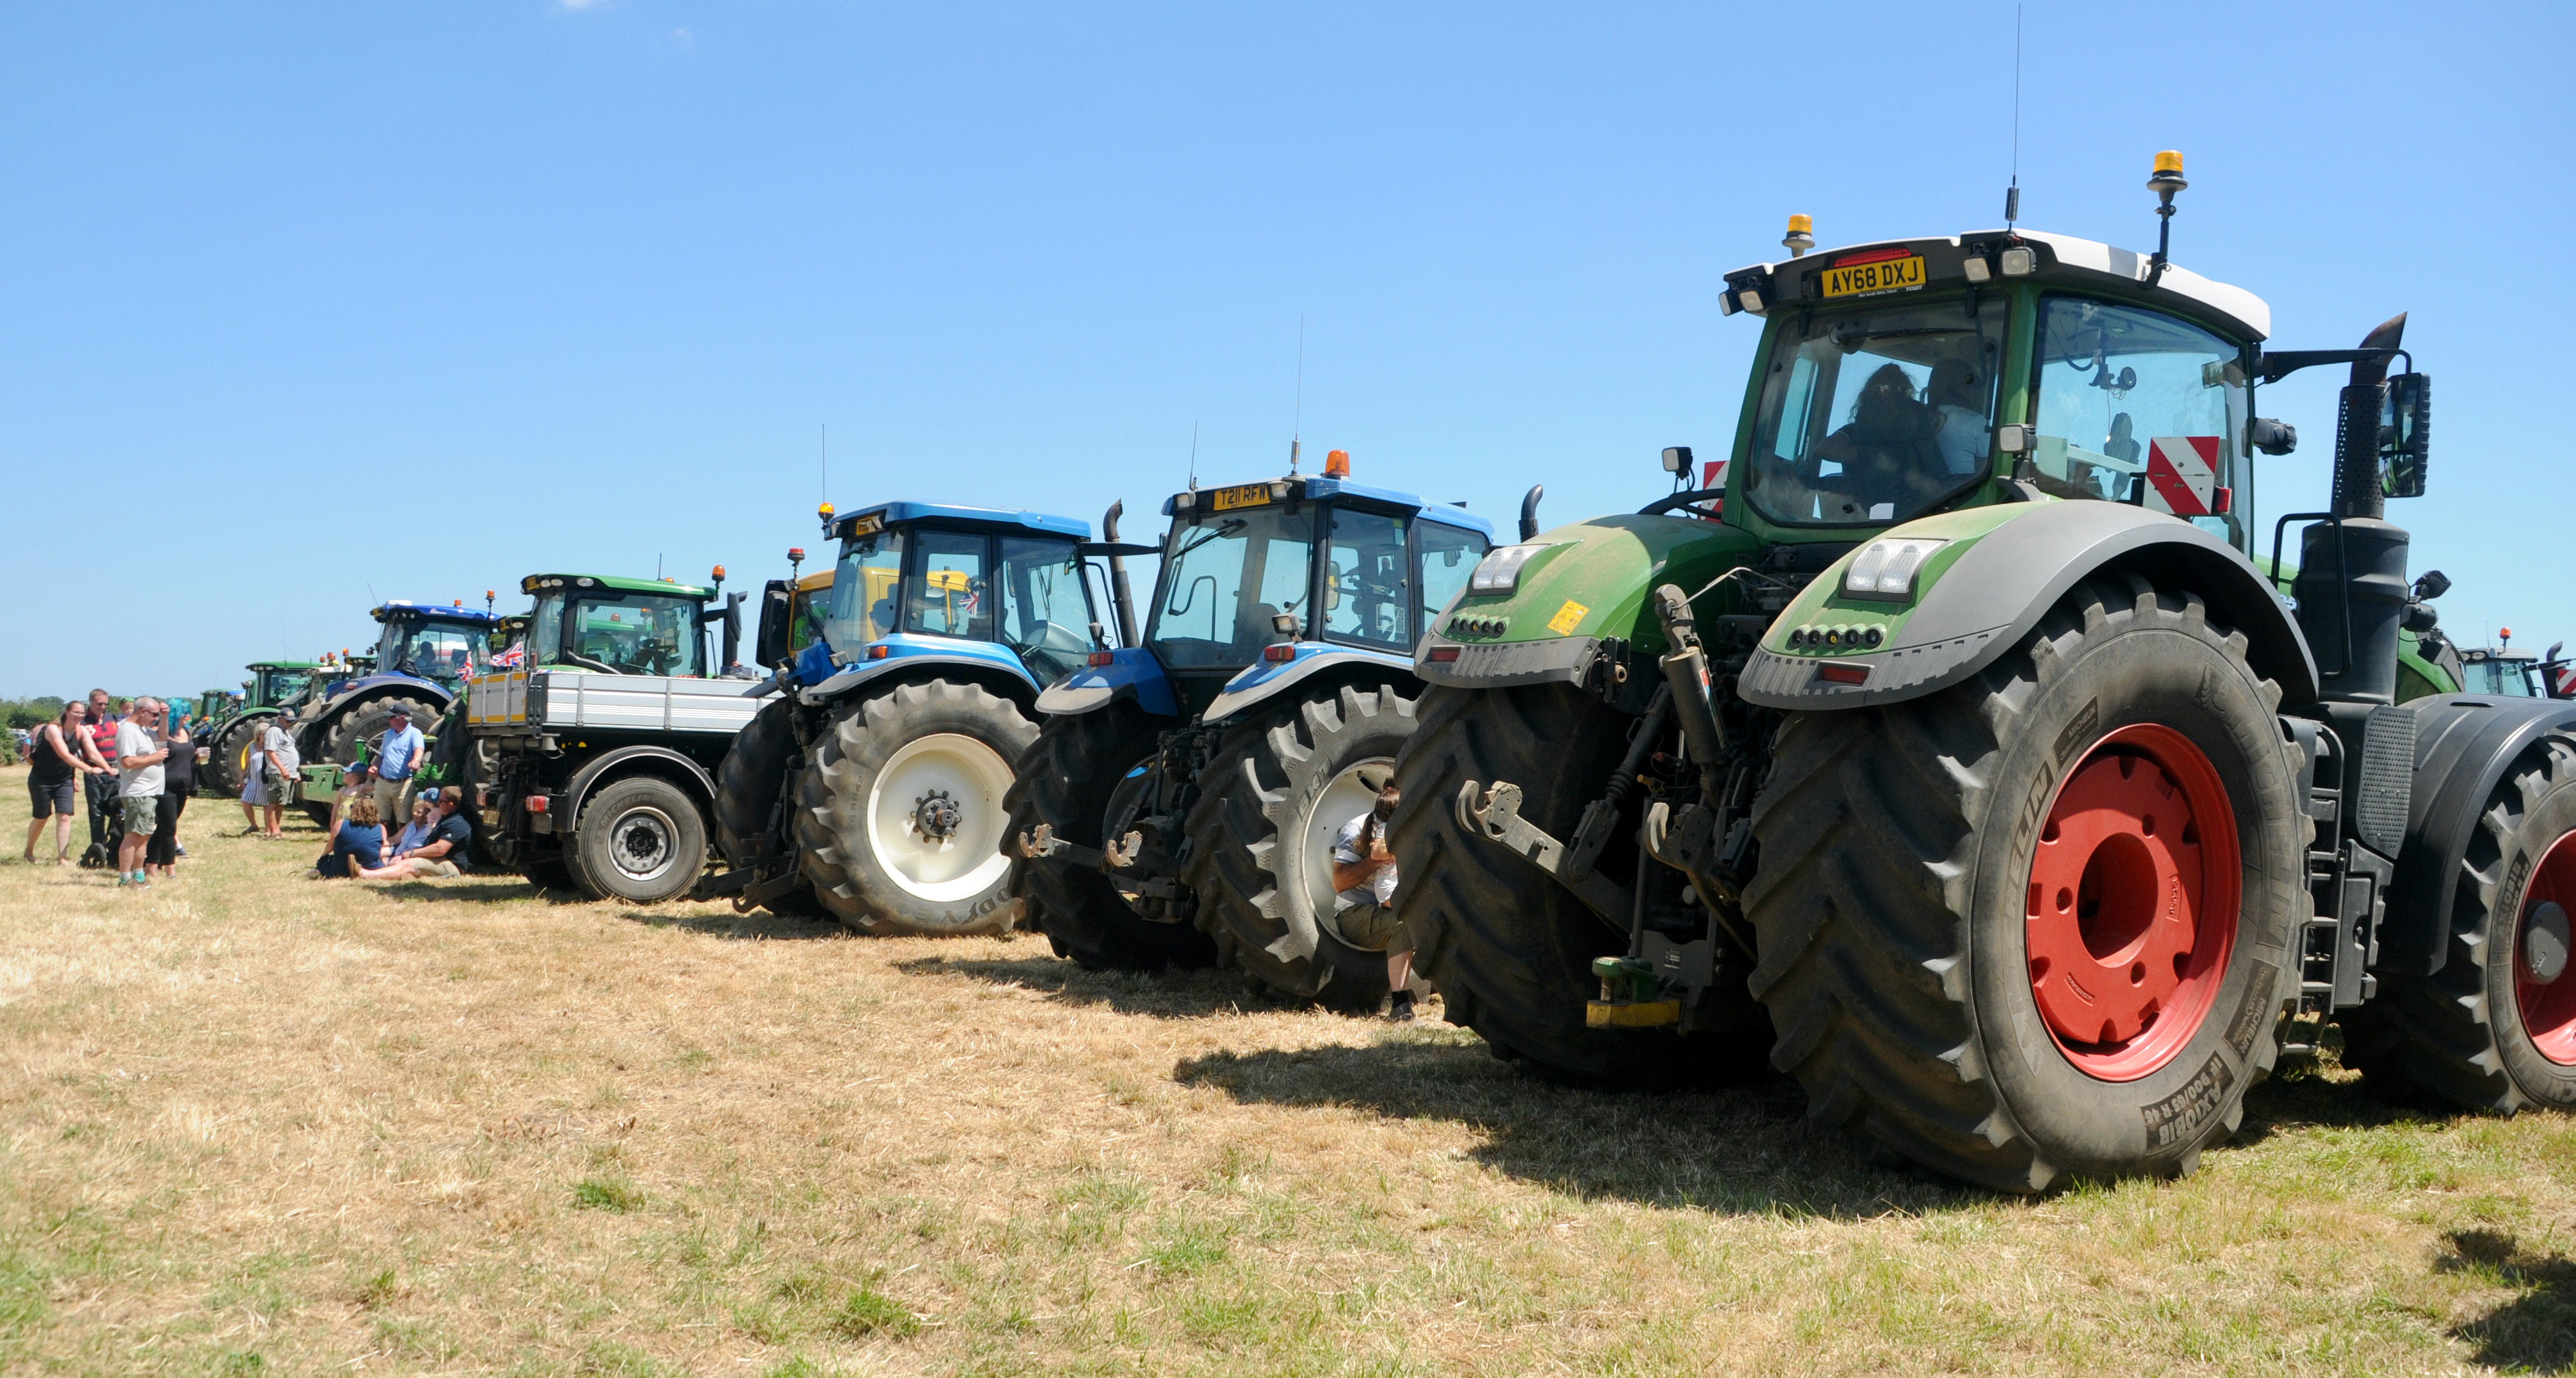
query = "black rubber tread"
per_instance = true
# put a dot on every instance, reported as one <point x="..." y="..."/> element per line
<point x="223" y="768"/>
<point x="1066" y="778"/>
<point x="1864" y="910"/>
<point x="361" y="724"/>
<point x="832" y="802"/>
<point x="587" y="852"/>
<point x="2455" y="1034"/>
<point x="1510" y="949"/>
<point x="1255" y="788"/>
<point x="748" y="783"/>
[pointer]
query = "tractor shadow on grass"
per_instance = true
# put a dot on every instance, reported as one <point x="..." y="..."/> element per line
<point x="719" y="921"/>
<point x="1163" y="994"/>
<point x="1744" y="1150"/>
<point x="2535" y="1332"/>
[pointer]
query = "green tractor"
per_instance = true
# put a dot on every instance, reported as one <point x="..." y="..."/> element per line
<point x="1956" y="756"/>
<point x="234" y="734"/>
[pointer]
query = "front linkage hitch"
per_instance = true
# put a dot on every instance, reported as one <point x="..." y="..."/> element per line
<point x="1144" y="849"/>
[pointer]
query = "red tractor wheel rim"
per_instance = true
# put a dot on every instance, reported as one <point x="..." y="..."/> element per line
<point x="2548" y="1008"/>
<point x="2133" y="900"/>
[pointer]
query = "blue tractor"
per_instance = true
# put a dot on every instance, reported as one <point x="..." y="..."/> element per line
<point x="871" y="787"/>
<point x="421" y="661"/>
<point x="1180" y="805"/>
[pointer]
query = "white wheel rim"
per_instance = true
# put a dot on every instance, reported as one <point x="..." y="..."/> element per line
<point x="643" y="843"/>
<point x="972" y="778"/>
<point x="1352" y="793"/>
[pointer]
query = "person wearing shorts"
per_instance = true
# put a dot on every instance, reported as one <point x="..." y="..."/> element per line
<point x="1364" y="898"/>
<point x="61" y="756"/>
<point x="139" y="754"/>
<point x="178" y="780"/>
<point x="277" y="752"/>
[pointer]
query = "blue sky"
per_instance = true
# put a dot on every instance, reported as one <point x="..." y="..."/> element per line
<point x="301" y="299"/>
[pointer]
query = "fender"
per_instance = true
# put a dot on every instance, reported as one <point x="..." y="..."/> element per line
<point x="1132" y="673"/>
<point x="911" y="653"/>
<point x="2464" y="745"/>
<point x="577" y="790"/>
<point x="1265" y="679"/>
<point x="1985" y="591"/>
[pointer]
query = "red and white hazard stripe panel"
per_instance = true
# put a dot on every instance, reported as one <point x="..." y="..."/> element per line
<point x="2182" y="476"/>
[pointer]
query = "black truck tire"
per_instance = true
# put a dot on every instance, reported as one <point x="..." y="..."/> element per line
<point x="749" y="783"/>
<point x="900" y="816"/>
<point x="1261" y="840"/>
<point x="1508" y="947"/>
<point x="640" y="839"/>
<point x="228" y="763"/>
<point x="1941" y="879"/>
<point x="1069" y="777"/>
<point x="2486" y="1031"/>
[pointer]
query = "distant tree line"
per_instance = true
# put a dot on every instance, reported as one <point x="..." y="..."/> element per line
<point x="26" y="713"/>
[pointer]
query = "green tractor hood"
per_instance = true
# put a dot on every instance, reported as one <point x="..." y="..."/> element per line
<point x="1588" y="584"/>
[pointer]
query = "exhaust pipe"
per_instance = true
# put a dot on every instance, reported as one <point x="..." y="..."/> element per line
<point x="1529" y="511"/>
<point x="1122" y="595"/>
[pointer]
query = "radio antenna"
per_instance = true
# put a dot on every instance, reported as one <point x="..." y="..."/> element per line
<point x="826" y="495"/>
<point x="1297" y="423"/>
<point x="2012" y="194"/>
<point x="1194" y="456"/>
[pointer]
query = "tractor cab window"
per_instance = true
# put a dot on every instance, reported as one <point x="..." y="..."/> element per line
<point x="860" y="606"/>
<point x="1225" y="577"/>
<point x="2136" y="406"/>
<point x="948" y="595"/>
<point x="1046" y="618"/>
<point x="431" y="650"/>
<point x="1449" y="556"/>
<point x="2485" y="673"/>
<point x="1367" y="584"/>
<point x="618" y="633"/>
<point x="277" y="686"/>
<point x="1876" y="416"/>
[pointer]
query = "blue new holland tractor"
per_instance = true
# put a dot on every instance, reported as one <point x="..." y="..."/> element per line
<point x="421" y="661"/>
<point x="871" y="786"/>
<point x="1180" y="804"/>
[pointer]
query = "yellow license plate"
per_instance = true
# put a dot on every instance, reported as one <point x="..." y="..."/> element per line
<point x="1885" y="275"/>
<point x="1249" y="495"/>
<point x="868" y="525"/>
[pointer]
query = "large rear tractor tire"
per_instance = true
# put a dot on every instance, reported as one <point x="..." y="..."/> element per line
<point x="1509" y="948"/>
<point x="362" y="725"/>
<point x="1071" y="778"/>
<point x="2041" y="925"/>
<point x="2495" y="1028"/>
<point x="640" y="839"/>
<point x="1261" y="841"/>
<point x="228" y="764"/>
<point x="748" y="788"/>
<point x="900" y="814"/>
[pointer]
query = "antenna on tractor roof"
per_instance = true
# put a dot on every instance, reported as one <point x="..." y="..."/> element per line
<point x="1194" y="456"/>
<point x="2012" y="193"/>
<point x="1297" y="423"/>
<point x="827" y="462"/>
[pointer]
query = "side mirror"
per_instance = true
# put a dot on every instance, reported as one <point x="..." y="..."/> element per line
<point x="2405" y="428"/>
<point x="2431" y="585"/>
<point x="1677" y="459"/>
<point x="2267" y="436"/>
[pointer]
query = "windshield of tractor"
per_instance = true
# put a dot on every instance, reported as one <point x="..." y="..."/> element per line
<point x="617" y="632"/>
<point x="441" y="651"/>
<point x="1365" y="584"/>
<point x="1046" y="617"/>
<point x="277" y="686"/>
<point x="2493" y="675"/>
<point x="1226" y="576"/>
<point x="2136" y="406"/>
<point x="861" y="606"/>
<point x="1449" y="556"/>
<point x="947" y="595"/>
<point x="1876" y="416"/>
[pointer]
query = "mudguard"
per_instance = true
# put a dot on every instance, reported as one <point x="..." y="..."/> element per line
<point x="1132" y="673"/>
<point x="2464" y="745"/>
<point x="911" y="654"/>
<point x="1265" y="679"/>
<point x="576" y="791"/>
<point x="1590" y="584"/>
<point x="1983" y="592"/>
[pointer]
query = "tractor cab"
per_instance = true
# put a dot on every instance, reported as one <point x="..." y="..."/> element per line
<point x="618" y="626"/>
<point x="276" y="682"/>
<point x="2502" y="670"/>
<point x="445" y="644"/>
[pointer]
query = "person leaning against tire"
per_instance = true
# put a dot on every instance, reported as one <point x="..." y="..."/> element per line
<point x="443" y="857"/>
<point x="61" y="754"/>
<point x="396" y="761"/>
<point x="1364" y="898"/>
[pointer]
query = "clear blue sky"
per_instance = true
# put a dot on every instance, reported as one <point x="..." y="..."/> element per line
<point x="296" y="299"/>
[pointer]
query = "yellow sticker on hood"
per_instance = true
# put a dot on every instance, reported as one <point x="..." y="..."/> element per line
<point x="1567" y="618"/>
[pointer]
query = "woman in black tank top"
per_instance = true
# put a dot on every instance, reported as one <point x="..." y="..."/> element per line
<point x="49" y="783"/>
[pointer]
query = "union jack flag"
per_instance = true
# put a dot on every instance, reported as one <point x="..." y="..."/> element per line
<point x="513" y="658"/>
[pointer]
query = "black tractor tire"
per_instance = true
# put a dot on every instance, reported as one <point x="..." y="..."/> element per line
<point x="748" y="785"/>
<point x="228" y="763"/>
<point x="1254" y="842"/>
<point x="884" y="739"/>
<point x="1069" y="778"/>
<point x="361" y="725"/>
<point x="640" y="839"/>
<point x="2461" y="1033"/>
<point x="1894" y="904"/>
<point x="1508" y="947"/>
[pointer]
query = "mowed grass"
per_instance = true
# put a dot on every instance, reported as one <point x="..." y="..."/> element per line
<point x="254" y="1124"/>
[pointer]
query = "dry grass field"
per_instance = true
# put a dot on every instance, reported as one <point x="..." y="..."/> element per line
<point x="253" y="1123"/>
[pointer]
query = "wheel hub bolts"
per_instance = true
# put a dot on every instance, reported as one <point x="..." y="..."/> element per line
<point x="936" y="815"/>
<point x="2544" y="943"/>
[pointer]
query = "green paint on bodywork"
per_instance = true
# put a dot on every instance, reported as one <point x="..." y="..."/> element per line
<point x="1823" y="604"/>
<point x="620" y="584"/>
<point x="1606" y="568"/>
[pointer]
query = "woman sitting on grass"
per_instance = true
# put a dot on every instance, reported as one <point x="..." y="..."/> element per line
<point x="357" y="845"/>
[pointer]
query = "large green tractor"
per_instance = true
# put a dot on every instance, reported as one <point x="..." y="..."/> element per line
<point x="234" y="734"/>
<point x="1957" y="758"/>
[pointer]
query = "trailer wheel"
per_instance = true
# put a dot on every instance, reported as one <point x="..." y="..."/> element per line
<point x="2495" y="1028"/>
<point x="1071" y="778"/>
<point x="640" y="839"/>
<point x="1261" y="841"/>
<point x="2039" y="925"/>
<point x="749" y="784"/>
<point x="899" y="810"/>
<point x="1510" y="949"/>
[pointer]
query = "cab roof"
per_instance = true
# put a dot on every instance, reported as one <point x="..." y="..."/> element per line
<point x="1317" y="487"/>
<point x="537" y="583"/>
<point x="392" y="607"/>
<point x="2060" y="258"/>
<point x="284" y="665"/>
<point x="890" y="513"/>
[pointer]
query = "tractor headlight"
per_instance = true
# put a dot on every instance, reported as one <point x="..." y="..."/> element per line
<point x="1500" y="570"/>
<point x="1886" y="567"/>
